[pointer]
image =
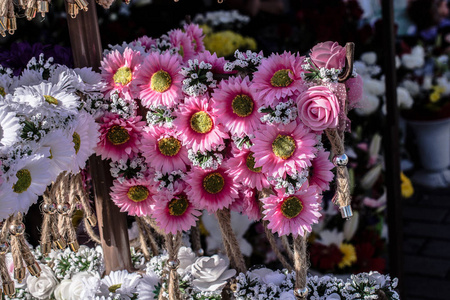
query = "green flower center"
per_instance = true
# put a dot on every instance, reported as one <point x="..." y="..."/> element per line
<point x="250" y="162"/>
<point x="51" y="154"/>
<point x="23" y="181"/>
<point x="169" y="146"/>
<point x="213" y="183"/>
<point x="76" y="141"/>
<point x="160" y="81"/>
<point x="291" y="207"/>
<point x="181" y="51"/>
<point x="137" y="193"/>
<point x="201" y="122"/>
<point x="118" y="135"/>
<point x="281" y="78"/>
<point x="123" y="76"/>
<point x="178" y="206"/>
<point x="242" y="105"/>
<point x="2" y="91"/>
<point x="51" y="100"/>
<point x="114" y="287"/>
<point x="283" y="146"/>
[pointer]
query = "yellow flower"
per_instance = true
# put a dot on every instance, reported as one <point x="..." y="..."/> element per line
<point x="224" y="43"/>
<point x="438" y="89"/>
<point x="407" y="188"/>
<point x="435" y="96"/>
<point x="349" y="257"/>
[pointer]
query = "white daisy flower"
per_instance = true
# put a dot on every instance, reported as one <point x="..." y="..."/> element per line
<point x="7" y="204"/>
<point x="30" y="181"/>
<point x="120" y="283"/>
<point x="85" y="134"/>
<point x="30" y="77"/>
<point x="9" y="127"/>
<point x="147" y="286"/>
<point x="89" y="80"/>
<point x="49" y="98"/>
<point x="62" y="151"/>
<point x="64" y="78"/>
<point x="6" y="85"/>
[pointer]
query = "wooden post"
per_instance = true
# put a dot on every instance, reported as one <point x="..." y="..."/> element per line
<point x="391" y="148"/>
<point x="87" y="52"/>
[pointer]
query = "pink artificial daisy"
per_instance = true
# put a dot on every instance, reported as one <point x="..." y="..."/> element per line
<point x="292" y="214"/>
<point x="278" y="76"/>
<point x="174" y="212"/>
<point x="235" y="106"/>
<point x="218" y="63"/>
<point x="250" y="204"/>
<point x="320" y="171"/>
<point x="119" y="138"/>
<point x="158" y="81"/>
<point x="147" y="42"/>
<point x="183" y="42"/>
<point x="283" y="149"/>
<point x="134" y="196"/>
<point x="242" y="168"/>
<point x="197" y="124"/>
<point x="119" y="70"/>
<point x="211" y="190"/>
<point x="196" y="35"/>
<point x="163" y="151"/>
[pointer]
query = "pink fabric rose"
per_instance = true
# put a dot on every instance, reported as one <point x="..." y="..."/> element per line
<point x="318" y="108"/>
<point x="328" y="55"/>
<point x="355" y="90"/>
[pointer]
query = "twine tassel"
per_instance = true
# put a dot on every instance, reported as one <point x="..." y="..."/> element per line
<point x="173" y="245"/>
<point x="228" y="236"/>
<point x="8" y="284"/>
<point x="301" y="267"/>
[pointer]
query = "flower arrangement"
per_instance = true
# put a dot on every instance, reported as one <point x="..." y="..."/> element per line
<point x="48" y="127"/>
<point x="76" y="276"/>
<point x="426" y="77"/>
<point x="185" y="132"/>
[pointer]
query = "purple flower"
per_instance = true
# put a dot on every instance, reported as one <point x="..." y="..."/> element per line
<point x="20" y="54"/>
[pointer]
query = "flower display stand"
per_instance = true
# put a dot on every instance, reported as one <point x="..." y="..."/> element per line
<point x="282" y="151"/>
<point x="433" y="143"/>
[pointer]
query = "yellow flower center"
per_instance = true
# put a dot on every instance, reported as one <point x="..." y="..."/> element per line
<point x="2" y="91"/>
<point x="281" y="78"/>
<point x="123" y="76"/>
<point x="114" y="287"/>
<point x="23" y="181"/>
<point x="213" y="183"/>
<point x="283" y="146"/>
<point x="118" y="135"/>
<point x="51" y="100"/>
<point x="137" y="193"/>
<point x="169" y="146"/>
<point x="76" y="141"/>
<point x="349" y="255"/>
<point x="178" y="206"/>
<point x="160" y="81"/>
<point x="181" y="51"/>
<point x="242" y="105"/>
<point x="250" y="162"/>
<point x="291" y="207"/>
<point x="201" y="122"/>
